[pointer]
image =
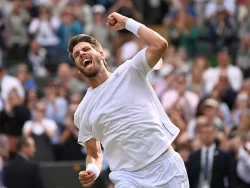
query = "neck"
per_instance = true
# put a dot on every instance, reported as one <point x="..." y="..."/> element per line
<point x="23" y="154"/>
<point x="208" y="145"/>
<point x="100" y="78"/>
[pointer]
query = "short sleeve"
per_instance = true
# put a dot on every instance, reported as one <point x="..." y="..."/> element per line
<point x="26" y="126"/>
<point x="85" y="131"/>
<point x="51" y="125"/>
<point x="139" y="61"/>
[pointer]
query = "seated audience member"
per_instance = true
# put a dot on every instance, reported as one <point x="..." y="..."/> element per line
<point x="22" y="171"/>
<point x="43" y="131"/>
<point x="209" y="166"/>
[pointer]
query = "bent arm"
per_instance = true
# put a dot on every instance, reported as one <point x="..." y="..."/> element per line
<point x="157" y="45"/>
<point x="94" y="153"/>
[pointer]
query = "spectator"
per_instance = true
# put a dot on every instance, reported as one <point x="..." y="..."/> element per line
<point x="99" y="29"/>
<point x="126" y="8"/>
<point x="56" y="107"/>
<point x="223" y="30"/>
<point x="68" y="28"/>
<point x="182" y="31"/>
<point x="22" y="172"/>
<point x="43" y="29"/>
<point x="43" y="131"/>
<point x="184" y="150"/>
<point x="224" y="111"/>
<point x="37" y="59"/>
<point x="243" y="165"/>
<point x="24" y="76"/>
<point x="244" y="30"/>
<point x="128" y="50"/>
<point x="16" y="22"/>
<point x="209" y="114"/>
<point x="195" y="81"/>
<point x="209" y="166"/>
<point x="12" y="119"/>
<point x="241" y="105"/>
<point x="7" y="83"/>
<point x="234" y="74"/>
<point x="31" y="99"/>
<point x="212" y="7"/>
<point x="187" y="100"/>
<point x="4" y="154"/>
<point x="68" y="140"/>
<point x="243" y="60"/>
<point x="31" y="8"/>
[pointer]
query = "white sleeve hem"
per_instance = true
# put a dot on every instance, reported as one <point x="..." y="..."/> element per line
<point x="83" y="140"/>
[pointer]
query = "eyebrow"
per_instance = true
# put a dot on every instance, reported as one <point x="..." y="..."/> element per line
<point x="74" y="54"/>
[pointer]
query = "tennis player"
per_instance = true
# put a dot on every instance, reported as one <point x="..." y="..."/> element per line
<point x="121" y="111"/>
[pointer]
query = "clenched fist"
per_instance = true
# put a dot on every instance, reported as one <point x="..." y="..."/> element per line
<point x="87" y="178"/>
<point x="116" y="21"/>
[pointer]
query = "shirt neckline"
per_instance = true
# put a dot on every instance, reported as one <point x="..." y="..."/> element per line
<point x="90" y="89"/>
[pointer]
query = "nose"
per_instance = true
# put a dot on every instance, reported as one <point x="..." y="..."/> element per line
<point x="82" y="53"/>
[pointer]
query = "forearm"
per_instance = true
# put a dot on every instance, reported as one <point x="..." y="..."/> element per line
<point x="151" y="38"/>
<point x="97" y="160"/>
<point x="157" y="45"/>
<point x="94" y="154"/>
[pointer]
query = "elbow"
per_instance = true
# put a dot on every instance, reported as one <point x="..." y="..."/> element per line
<point x="162" y="45"/>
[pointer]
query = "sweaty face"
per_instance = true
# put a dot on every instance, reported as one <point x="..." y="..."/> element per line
<point x="88" y="60"/>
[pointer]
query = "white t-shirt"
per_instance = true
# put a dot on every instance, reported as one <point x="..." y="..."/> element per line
<point x="126" y="116"/>
<point x="8" y="83"/>
<point x="38" y="129"/>
<point x="211" y="77"/>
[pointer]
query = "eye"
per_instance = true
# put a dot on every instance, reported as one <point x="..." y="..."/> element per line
<point x="76" y="55"/>
<point x="86" y="49"/>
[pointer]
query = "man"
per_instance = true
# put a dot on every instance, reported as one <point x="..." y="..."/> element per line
<point x="7" y="83"/>
<point x="4" y="154"/>
<point x="210" y="167"/>
<point x="122" y="112"/>
<point x="22" y="172"/>
<point x="212" y="75"/>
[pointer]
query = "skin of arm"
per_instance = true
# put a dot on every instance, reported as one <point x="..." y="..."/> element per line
<point x="94" y="153"/>
<point x="157" y="45"/>
<point x="94" y="156"/>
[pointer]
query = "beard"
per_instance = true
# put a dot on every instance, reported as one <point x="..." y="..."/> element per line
<point x="97" y="67"/>
<point x="90" y="74"/>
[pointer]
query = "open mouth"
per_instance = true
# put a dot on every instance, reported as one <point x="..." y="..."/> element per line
<point x="87" y="62"/>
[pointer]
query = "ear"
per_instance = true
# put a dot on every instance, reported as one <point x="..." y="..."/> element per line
<point x="102" y="54"/>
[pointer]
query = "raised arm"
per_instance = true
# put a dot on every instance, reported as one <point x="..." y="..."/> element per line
<point x="93" y="163"/>
<point x="157" y="45"/>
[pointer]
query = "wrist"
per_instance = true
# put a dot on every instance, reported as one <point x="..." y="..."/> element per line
<point x="133" y="26"/>
<point x="94" y="168"/>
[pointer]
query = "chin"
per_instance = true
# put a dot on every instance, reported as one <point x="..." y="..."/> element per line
<point x="90" y="74"/>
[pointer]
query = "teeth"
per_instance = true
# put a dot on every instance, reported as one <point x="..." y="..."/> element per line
<point x="86" y="60"/>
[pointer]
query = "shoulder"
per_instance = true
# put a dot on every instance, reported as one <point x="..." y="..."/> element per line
<point x="61" y="100"/>
<point x="81" y="109"/>
<point x="234" y="69"/>
<point x="195" y="154"/>
<point x="27" y="123"/>
<point x="49" y="122"/>
<point x="10" y="78"/>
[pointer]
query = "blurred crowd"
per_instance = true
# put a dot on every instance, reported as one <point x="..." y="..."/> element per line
<point x="204" y="84"/>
